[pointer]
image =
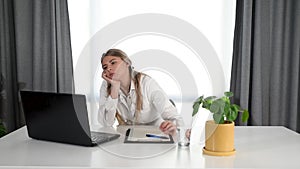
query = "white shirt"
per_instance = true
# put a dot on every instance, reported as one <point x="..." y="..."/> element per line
<point x="156" y="105"/>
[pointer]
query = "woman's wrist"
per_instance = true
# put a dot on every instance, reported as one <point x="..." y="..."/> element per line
<point x="114" y="93"/>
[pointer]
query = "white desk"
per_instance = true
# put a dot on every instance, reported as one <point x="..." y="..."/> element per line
<point x="257" y="147"/>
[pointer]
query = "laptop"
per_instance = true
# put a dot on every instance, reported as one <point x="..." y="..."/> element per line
<point x="60" y="117"/>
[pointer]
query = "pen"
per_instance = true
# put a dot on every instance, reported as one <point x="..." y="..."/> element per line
<point x="156" y="136"/>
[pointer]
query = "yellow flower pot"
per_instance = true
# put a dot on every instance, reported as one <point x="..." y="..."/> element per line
<point x="219" y="139"/>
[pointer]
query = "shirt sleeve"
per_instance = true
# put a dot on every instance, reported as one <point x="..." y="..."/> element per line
<point x="107" y="107"/>
<point x="162" y="104"/>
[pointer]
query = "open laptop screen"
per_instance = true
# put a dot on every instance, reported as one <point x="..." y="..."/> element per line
<point x="56" y="117"/>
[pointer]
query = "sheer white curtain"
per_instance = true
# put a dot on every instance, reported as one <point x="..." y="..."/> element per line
<point x="185" y="45"/>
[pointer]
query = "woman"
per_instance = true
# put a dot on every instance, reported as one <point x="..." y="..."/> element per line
<point x="132" y="97"/>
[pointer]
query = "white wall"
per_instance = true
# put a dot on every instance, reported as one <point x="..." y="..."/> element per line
<point x="196" y="34"/>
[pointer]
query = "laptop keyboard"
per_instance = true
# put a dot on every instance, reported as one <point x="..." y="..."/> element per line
<point x="100" y="137"/>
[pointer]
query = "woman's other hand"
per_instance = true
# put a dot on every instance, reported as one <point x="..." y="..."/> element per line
<point x="168" y="127"/>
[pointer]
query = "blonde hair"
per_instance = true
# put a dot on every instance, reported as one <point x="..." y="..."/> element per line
<point x="136" y="76"/>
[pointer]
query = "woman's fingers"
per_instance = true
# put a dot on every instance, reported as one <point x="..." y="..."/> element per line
<point x="105" y="77"/>
<point x="163" y="125"/>
<point x="108" y="79"/>
<point x="168" y="127"/>
<point x="188" y="133"/>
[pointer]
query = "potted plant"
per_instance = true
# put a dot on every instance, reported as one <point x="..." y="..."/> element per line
<point x="219" y="133"/>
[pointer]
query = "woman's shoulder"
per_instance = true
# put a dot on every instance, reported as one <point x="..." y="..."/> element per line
<point x="146" y="78"/>
<point x="149" y="82"/>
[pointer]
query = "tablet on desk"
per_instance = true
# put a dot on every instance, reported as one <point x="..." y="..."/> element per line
<point x="147" y="135"/>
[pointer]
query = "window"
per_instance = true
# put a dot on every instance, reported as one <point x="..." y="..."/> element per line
<point x="185" y="45"/>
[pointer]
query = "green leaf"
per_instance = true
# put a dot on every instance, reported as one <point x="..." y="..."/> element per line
<point x="200" y="99"/>
<point x="218" y="118"/>
<point x="245" y="116"/>
<point x="214" y="108"/>
<point x="227" y="110"/>
<point x="226" y="100"/>
<point x="221" y="104"/>
<point x="235" y="107"/>
<point x="195" y="108"/>
<point x="228" y="115"/>
<point x="196" y="105"/>
<point x="234" y="115"/>
<point x="217" y="107"/>
<point x="206" y="105"/>
<point x="228" y="94"/>
<point x="210" y="98"/>
<point x="231" y="115"/>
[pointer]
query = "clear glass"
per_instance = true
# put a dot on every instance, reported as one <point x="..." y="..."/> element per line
<point x="183" y="136"/>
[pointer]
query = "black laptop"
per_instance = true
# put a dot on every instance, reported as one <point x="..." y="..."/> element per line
<point x="61" y="118"/>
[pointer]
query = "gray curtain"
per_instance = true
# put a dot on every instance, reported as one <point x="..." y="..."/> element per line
<point x="266" y="61"/>
<point x="35" y="53"/>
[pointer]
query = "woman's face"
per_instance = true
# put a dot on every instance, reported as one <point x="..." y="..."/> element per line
<point x="114" y="67"/>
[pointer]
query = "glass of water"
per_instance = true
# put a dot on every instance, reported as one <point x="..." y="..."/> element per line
<point x="183" y="136"/>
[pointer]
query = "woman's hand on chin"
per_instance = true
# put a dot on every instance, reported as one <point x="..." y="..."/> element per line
<point x="115" y="85"/>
